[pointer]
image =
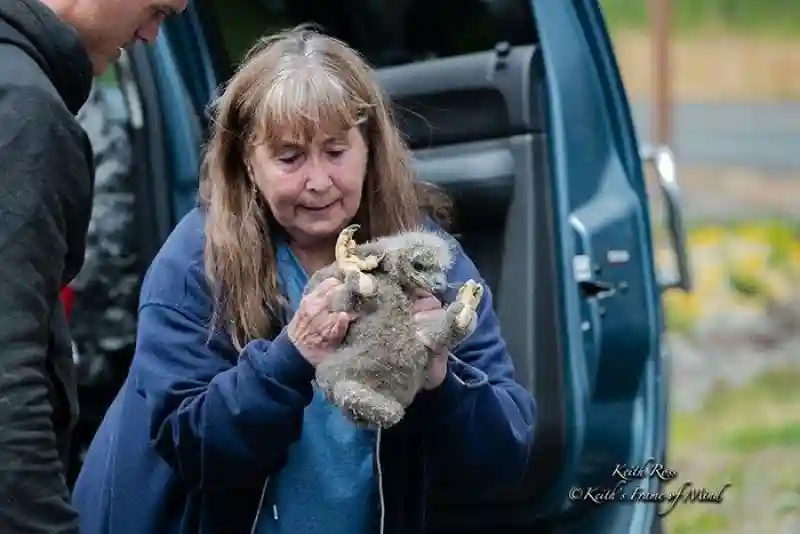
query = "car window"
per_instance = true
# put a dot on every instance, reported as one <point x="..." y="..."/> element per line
<point x="387" y="32"/>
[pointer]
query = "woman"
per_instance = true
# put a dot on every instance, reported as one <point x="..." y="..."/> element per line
<point x="218" y="428"/>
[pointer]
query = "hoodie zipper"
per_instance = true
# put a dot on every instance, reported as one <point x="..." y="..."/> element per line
<point x="380" y="491"/>
<point x="261" y="505"/>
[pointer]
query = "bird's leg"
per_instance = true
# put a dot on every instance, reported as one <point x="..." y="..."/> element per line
<point x="354" y="266"/>
<point x="346" y="253"/>
<point x="469" y="295"/>
<point x="460" y="317"/>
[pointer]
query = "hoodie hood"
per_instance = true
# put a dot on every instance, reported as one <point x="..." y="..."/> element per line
<point x="52" y="43"/>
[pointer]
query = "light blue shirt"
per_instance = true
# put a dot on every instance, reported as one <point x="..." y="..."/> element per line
<point x="328" y="484"/>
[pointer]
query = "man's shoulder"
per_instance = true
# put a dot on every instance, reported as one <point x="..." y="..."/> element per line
<point x="21" y="74"/>
<point x="26" y="92"/>
<point x="34" y="107"/>
<point x="41" y="142"/>
<point x="32" y="114"/>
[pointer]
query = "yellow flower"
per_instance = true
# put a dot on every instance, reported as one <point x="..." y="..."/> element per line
<point x="706" y="236"/>
<point x="681" y="310"/>
<point x="753" y="233"/>
<point x="794" y="257"/>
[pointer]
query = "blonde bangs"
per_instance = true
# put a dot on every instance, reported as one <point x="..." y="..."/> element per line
<point x="300" y="104"/>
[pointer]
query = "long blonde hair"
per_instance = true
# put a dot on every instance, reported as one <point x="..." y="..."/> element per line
<point x="294" y="81"/>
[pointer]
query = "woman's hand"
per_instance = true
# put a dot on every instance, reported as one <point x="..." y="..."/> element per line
<point x="315" y="330"/>
<point x="428" y="309"/>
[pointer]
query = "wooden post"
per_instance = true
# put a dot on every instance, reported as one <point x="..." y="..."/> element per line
<point x="660" y="23"/>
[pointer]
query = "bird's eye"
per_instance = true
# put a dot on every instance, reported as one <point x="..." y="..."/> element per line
<point x="418" y="266"/>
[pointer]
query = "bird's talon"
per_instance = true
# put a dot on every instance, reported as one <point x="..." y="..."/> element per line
<point x="469" y="295"/>
<point x="345" y="252"/>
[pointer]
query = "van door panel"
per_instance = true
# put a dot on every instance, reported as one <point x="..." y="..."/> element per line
<point x="465" y="98"/>
<point x="477" y="125"/>
<point x="611" y="293"/>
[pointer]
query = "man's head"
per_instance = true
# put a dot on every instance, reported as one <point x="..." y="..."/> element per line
<point x="106" y="26"/>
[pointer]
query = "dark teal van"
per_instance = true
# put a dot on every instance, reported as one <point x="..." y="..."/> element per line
<point x="517" y="108"/>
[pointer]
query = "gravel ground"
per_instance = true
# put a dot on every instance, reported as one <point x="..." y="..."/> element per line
<point x="732" y="356"/>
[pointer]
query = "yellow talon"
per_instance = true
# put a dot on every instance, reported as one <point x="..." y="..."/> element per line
<point x="347" y="260"/>
<point x="346" y="245"/>
<point x="345" y="252"/>
<point x="469" y="295"/>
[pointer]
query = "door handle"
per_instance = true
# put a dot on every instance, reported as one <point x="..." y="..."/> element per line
<point x="663" y="161"/>
<point x="596" y="289"/>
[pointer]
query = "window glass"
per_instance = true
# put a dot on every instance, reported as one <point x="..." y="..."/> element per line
<point x="387" y="32"/>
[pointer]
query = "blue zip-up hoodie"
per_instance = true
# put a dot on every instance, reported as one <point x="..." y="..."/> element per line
<point x="197" y="428"/>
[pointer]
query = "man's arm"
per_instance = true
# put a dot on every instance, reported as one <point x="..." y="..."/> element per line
<point x="43" y="177"/>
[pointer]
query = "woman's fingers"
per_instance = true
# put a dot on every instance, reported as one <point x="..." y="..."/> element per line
<point x="334" y="328"/>
<point x="334" y="325"/>
<point x="326" y="286"/>
<point x="319" y="299"/>
<point x="340" y="326"/>
<point x="316" y="323"/>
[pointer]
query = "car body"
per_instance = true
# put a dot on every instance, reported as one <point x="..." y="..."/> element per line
<point x="518" y="110"/>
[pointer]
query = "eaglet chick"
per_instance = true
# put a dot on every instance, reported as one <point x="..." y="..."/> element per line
<point x="381" y="364"/>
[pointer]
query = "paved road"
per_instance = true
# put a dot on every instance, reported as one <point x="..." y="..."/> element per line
<point x="760" y="135"/>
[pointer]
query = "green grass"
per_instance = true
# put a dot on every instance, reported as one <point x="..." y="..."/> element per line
<point x="750" y="440"/>
<point x="706" y="523"/>
<point x="764" y="17"/>
<point x="749" y="437"/>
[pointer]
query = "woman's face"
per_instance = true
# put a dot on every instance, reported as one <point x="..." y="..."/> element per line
<point x="313" y="190"/>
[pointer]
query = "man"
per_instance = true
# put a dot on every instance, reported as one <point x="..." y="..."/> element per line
<point x="49" y="52"/>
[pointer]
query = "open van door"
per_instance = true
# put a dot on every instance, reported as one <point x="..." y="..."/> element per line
<point x="528" y="127"/>
<point x="608" y="287"/>
<point x="537" y="146"/>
